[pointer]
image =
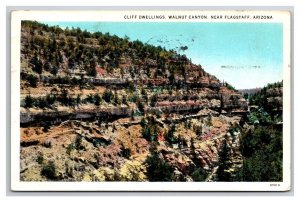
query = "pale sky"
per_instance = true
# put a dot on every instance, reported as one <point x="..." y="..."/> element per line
<point x="246" y="55"/>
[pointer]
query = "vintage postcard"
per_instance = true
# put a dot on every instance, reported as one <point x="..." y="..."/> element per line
<point x="150" y="101"/>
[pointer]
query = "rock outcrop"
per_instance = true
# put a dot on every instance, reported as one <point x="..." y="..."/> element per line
<point x="93" y="111"/>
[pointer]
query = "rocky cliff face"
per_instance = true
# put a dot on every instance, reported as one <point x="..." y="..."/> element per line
<point x="85" y="151"/>
<point x="92" y="111"/>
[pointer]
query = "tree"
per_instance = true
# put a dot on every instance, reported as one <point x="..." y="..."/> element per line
<point x="153" y="100"/>
<point x="65" y="99"/>
<point x="172" y="78"/>
<point x="50" y="99"/>
<point x="193" y="150"/>
<point x="170" y="134"/>
<point x="144" y="95"/>
<point x="116" y="99"/>
<point x="49" y="171"/>
<point x="41" y="103"/>
<point x="78" y="99"/>
<point x="78" y="141"/>
<point x="141" y="106"/>
<point x="28" y="101"/>
<point x="47" y="66"/>
<point x="107" y="95"/>
<point x="131" y="86"/>
<point x="54" y="70"/>
<point x="132" y="115"/>
<point x="143" y="92"/>
<point x="37" y="65"/>
<point x="262" y="151"/>
<point x="124" y="99"/>
<point x="40" y="159"/>
<point x="97" y="99"/>
<point x="158" y="170"/>
<point x="230" y="87"/>
<point x="92" y="71"/>
<point x="223" y="173"/>
<point x="146" y="133"/>
<point x="32" y="80"/>
<point x="46" y="128"/>
<point x="144" y="122"/>
<point x="125" y="152"/>
<point x="199" y="175"/>
<point x="198" y="130"/>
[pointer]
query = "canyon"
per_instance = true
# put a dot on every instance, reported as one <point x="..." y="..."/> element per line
<point x="96" y="107"/>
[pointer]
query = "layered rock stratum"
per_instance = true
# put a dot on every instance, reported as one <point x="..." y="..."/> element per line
<point x="96" y="107"/>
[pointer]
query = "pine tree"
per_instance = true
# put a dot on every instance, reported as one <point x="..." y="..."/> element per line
<point x="97" y="99"/>
<point x="158" y="169"/>
<point x="223" y="173"/>
<point x="28" y="101"/>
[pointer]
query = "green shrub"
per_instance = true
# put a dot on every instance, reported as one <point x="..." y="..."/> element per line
<point x="70" y="148"/>
<point x="199" y="175"/>
<point x="107" y="96"/>
<point x="49" y="171"/>
<point x="97" y="99"/>
<point x="28" y="101"/>
<point x="153" y="100"/>
<point x="32" y="80"/>
<point x="124" y="99"/>
<point x="78" y="142"/>
<point x="40" y="158"/>
<point x="170" y="135"/>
